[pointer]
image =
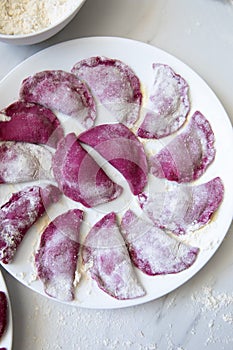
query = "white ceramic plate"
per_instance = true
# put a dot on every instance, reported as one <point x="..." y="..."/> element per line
<point x="6" y="340"/>
<point x="140" y="57"/>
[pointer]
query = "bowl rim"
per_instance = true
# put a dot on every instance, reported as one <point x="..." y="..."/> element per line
<point x="44" y="30"/>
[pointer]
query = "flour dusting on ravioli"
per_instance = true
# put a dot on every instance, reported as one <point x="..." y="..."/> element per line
<point x="22" y="210"/>
<point x="168" y="105"/>
<point x="109" y="263"/>
<point x="152" y="250"/>
<point x="185" y="208"/>
<point x="118" y="145"/>
<point x="79" y="177"/>
<point x="57" y="256"/>
<point x="188" y="155"/>
<point x="22" y="162"/>
<point x="114" y="84"/>
<point x="60" y="91"/>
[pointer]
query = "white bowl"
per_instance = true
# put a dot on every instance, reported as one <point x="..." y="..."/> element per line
<point x="36" y="37"/>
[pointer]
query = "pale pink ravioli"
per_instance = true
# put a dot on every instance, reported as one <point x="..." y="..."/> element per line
<point x="57" y="256"/>
<point x="106" y="256"/>
<point x="152" y="250"/>
<point x="21" y="211"/>
<point x="114" y="84"/>
<point x="21" y="162"/>
<point x="79" y="177"/>
<point x="30" y="122"/>
<point x="188" y="155"/>
<point x="186" y="208"/>
<point x="168" y="105"/>
<point x="60" y="91"/>
<point x="121" y="148"/>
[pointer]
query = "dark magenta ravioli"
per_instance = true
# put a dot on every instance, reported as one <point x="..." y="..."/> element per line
<point x="30" y="122"/>
<point x="21" y="211"/>
<point x="121" y="148"/>
<point x="3" y="313"/>
<point x="79" y="177"/>
<point x="60" y="91"/>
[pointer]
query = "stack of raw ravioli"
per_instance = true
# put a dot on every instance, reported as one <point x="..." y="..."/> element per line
<point x="34" y="147"/>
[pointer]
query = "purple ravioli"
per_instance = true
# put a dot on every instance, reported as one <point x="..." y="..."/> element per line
<point x="152" y="250"/>
<point x="61" y="91"/>
<point x="107" y="258"/>
<point x="21" y="211"/>
<point x="30" y="122"/>
<point x="186" y="208"/>
<point x="168" y="105"/>
<point x="3" y="313"/>
<point x="79" y="177"/>
<point x="121" y="148"/>
<point x="114" y="84"/>
<point x="21" y="162"/>
<point x="188" y="155"/>
<point x="57" y="256"/>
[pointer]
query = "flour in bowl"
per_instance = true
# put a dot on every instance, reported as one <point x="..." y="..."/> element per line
<point x="29" y="16"/>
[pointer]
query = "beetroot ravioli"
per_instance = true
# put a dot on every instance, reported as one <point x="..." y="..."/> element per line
<point x="21" y="211"/>
<point x="188" y="155"/>
<point x="80" y="177"/>
<point x="185" y="208"/>
<point x="3" y="313"/>
<point x="168" y="105"/>
<point x="152" y="250"/>
<point x="29" y="122"/>
<point x="60" y="91"/>
<point x="57" y="255"/>
<point x="107" y="258"/>
<point x="111" y="252"/>
<point x="22" y="162"/>
<point x="121" y="148"/>
<point x="114" y="84"/>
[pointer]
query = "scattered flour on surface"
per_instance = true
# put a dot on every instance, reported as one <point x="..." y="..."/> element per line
<point x="228" y="317"/>
<point x="29" y="16"/>
<point x="210" y="300"/>
<point x="214" y="306"/>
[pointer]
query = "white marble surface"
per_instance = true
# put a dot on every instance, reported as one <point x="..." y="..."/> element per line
<point x="200" y="313"/>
